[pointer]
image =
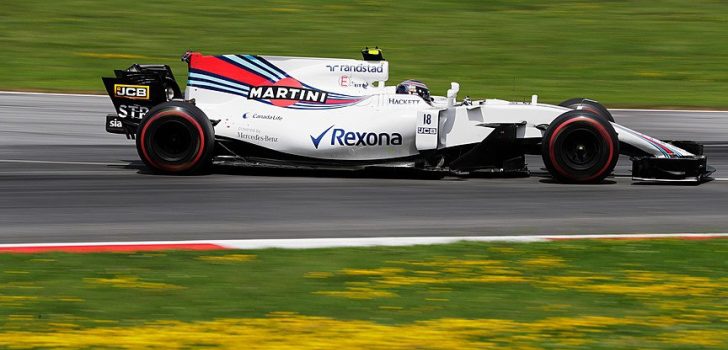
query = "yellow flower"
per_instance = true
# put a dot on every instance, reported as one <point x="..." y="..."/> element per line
<point x="132" y="282"/>
<point x="227" y="258"/>
<point x="318" y="275"/>
<point x="545" y="261"/>
<point x="286" y="330"/>
<point x="358" y="293"/>
<point x="371" y="272"/>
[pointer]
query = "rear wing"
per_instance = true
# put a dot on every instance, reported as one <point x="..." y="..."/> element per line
<point x="134" y="91"/>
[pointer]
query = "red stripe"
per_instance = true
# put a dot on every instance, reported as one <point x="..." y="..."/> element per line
<point x="217" y="66"/>
<point x="659" y="145"/>
<point x="112" y="248"/>
<point x="337" y="101"/>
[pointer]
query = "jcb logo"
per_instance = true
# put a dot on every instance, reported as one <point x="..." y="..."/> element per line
<point x="135" y="92"/>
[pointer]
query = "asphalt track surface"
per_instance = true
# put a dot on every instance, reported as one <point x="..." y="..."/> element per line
<point x="64" y="179"/>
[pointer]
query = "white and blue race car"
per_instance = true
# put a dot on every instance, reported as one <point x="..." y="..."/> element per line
<point x="339" y="113"/>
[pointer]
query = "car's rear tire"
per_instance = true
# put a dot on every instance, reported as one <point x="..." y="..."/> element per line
<point x="176" y="138"/>
<point x="580" y="147"/>
<point x="585" y="104"/>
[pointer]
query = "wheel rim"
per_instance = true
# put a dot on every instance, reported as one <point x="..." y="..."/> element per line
<point x="173" y="141"/>
<point x="581" y="148"/>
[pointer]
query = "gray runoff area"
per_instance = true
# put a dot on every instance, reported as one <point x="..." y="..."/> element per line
<point x="64" y="179"/>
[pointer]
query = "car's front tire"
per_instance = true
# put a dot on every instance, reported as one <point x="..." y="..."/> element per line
<point x="175" y="138"/>
<point x="580" y="147"/>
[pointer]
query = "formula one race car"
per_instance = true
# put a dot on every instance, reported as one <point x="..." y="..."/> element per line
<point x="339" y="113"/>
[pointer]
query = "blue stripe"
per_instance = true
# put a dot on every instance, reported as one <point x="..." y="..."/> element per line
<point x="673" y="149"/>
<point x="343" y="97"/>
<point x="660" y="148"/>
<point x="216" y="87"/>
<point x="217" y="76"/>
<point x="315" y="104"/>
<point x="320" y="107"/>
<point x="249" y="66"/>
<point x="219" y="81"/>
<point x="199" y="82"/>
<point x="268" y="67"/>
<point x="243" y="67"/>
<point x="648" y="141"/>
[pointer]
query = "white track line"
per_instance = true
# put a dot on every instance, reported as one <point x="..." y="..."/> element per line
<point x="24" y="161"/>
<point x="408" y="241"/>
<point x="308" y="243"/>
<point x="48" y="94"/>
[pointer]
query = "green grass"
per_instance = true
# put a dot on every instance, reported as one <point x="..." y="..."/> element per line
<point x="624" y="53"/>
<point x="647" y="291"/>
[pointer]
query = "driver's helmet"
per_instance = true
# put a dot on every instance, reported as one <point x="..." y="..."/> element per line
<point x="414" y="87"/>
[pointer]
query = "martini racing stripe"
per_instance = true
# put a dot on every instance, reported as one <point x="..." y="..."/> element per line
<point x="317" y="107"/>
<point x="263" y="62"/>
<point x="229" y="81"/>
<point x="216" y="87"/>
<point x="238" y="74"/>
<point x="329" y="103"/>
<point x="251" y="67"/>
<point x="344" y="101"/>
<point x="226" y="83"/>
<point x="333" y="101"/>
<point x="666" y="145"/>
<point x="280" y="74"/>
<point x="664" y="148"/>
<point x="220" y="66"/>
<point x="667" y="155"/>
<point x="336" y="96"/>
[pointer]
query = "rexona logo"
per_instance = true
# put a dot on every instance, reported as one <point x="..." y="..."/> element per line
<point x="342" y="137"/>
<point x="134" y="92"/>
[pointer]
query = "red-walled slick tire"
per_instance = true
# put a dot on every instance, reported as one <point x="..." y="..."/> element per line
<point x="175" y="138"/>
<point x="580" y="147"/>
<point x="585" y="104"/>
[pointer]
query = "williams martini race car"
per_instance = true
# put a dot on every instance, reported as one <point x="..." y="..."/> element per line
<point x="324" y="113"/>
